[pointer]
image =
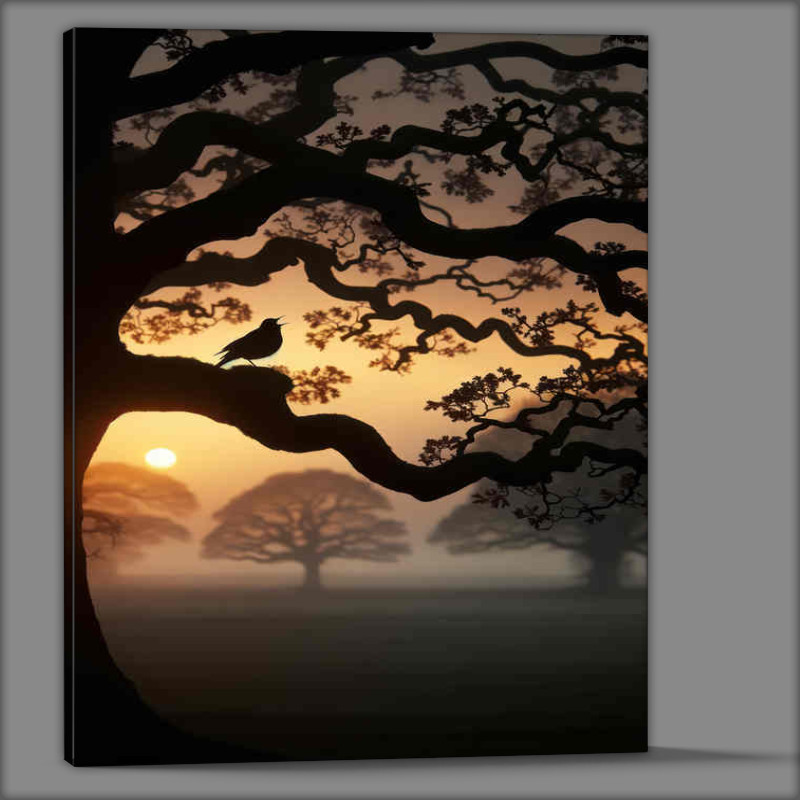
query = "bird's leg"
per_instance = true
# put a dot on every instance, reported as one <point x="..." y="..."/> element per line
<point x="251" y="362"/>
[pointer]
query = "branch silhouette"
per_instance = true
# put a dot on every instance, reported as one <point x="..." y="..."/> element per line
<point x="320" y="264"/>
<point x="275" y="53"/>
<point x="254" y="401"/>
<point x="183" y="140"/>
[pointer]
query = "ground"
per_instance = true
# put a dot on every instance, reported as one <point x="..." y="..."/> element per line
<point x="391" y="673"/>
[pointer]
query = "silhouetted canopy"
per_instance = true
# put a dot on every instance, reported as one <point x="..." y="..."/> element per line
<point x="116" y="497"/>
<point x="307" y="517"/>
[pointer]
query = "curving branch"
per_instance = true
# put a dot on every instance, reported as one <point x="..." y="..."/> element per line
<point x="165" y="241"/>
<point x="279" y="53"/>
<point x="253" y="400"/>
<point x="187" y="314"/>
<point x="181" y="143"/>
<point x="538" y="52"/>
<point x="409" y="138"/>
<point x="534" y="275"/>
<point x="276" y="53"/>
<point x="320" y="264"/>
<point x="307" y="172"/>
<point x="574" y="96"/>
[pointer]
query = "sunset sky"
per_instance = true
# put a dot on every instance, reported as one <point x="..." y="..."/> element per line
<point x="218" y="462"/>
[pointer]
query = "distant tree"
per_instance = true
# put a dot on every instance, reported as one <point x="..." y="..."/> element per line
<point x="600" y="527"/>
<point x="602" y="547"/>
<point x="306" y="517"/>
<point x="116" y="525"/>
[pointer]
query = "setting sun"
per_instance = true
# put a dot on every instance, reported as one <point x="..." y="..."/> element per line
<point x="160" y="457"/>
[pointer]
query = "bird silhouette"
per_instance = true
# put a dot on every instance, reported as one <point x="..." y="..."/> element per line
<point x="265" y="340"/>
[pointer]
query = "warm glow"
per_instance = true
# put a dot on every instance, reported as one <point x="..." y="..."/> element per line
<point x="160" y="457"/>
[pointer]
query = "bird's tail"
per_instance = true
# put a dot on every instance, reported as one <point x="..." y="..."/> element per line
<point x="225" y="359"/>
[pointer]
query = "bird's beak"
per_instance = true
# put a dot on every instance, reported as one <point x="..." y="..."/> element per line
<point x="281" y="324"/>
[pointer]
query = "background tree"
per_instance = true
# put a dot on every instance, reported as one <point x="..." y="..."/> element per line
<point x="116" y="528"/>
<point x="596" y="513"/>
<point x="308" y="518"/>
<point x="601" y="547"/>
<point x="149" y="200"/>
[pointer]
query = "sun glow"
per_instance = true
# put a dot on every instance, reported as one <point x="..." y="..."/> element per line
<point x="160" y="457"/>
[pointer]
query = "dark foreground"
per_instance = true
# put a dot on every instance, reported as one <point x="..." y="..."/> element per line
<point x="390" y="674"/>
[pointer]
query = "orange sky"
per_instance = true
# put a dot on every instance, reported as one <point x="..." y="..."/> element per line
<point x="217" y="461"/>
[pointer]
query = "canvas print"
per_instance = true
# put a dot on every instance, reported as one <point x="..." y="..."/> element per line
<point x="356" y="395"/>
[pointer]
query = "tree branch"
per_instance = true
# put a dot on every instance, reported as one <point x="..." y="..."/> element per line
<point x="165" y="241"/>
<point x="276" y="53"/>
<point x="181" y="143"/>
<point x="253" y="400"/>
<point x="319" y="264"/>
<point x="418" y="62"/>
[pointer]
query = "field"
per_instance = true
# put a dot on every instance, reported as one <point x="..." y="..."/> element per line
<point x="392" y="673"/>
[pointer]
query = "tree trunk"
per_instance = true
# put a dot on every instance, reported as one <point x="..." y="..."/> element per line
<point x="604" y="573"/>
<point x="109" y="722"/>
<point x="312" y="582"/>
<point x="604" y="553"/>
<point x="106" y="720"/>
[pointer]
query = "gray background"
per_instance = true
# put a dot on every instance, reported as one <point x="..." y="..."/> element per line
<point x="724" y="340"/>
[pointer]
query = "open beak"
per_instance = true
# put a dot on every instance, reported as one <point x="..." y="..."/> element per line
<point x="281" y="324"/>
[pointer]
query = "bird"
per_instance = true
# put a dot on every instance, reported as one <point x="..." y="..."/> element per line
<point x="265" y="340"/>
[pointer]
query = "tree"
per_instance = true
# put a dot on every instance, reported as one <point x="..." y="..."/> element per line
<point x="147" y="212"/>
<point x="601" y="546"/>
<point x="115" y="527"/>
<point x="597" y="516"/>
<point x="306" y="517"/>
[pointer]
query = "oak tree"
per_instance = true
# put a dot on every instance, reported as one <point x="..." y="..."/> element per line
<point x="308" y="518"/>
<point x="600" y="548"/>
<point x="119" y="523"/>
